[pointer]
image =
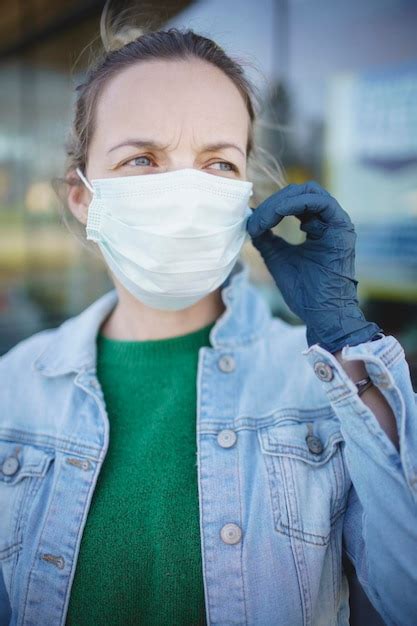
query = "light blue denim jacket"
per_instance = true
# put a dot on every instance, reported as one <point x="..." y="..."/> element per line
<point x="293" y="468"/>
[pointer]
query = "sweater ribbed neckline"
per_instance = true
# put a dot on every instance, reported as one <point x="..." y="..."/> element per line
<point x="124" y="351"/>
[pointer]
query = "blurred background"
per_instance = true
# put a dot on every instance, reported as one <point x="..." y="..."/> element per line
<point x="339" y="88"/>
<point x="338" y="83"/>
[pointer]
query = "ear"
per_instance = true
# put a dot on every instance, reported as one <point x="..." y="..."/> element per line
<point x="79" y="197"/>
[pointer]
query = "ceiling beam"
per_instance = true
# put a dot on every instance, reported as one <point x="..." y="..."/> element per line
<point x="65" y="20"/>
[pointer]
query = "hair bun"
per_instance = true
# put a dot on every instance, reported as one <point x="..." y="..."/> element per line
<point x="116" y="30"/>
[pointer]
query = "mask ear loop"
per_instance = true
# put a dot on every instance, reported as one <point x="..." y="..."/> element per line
<point x="94" y="217"/>
<point x="84" y="179"/>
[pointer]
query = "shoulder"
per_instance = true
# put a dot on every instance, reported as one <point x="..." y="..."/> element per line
<point x="22" y="384"/>
<point x="37" y="374"/>
<point x="62" y="349"/>
<point x="21" y="356"/>
<point x="24" y="392"/>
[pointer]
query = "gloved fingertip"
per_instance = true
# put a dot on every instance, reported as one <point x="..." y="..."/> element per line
<point x="252" y="227"/>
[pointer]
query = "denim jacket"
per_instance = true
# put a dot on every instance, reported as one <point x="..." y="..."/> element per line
<point x="293" y="470"/>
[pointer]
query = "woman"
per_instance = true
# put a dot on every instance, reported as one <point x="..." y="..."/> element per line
<point x="174" y="454"/>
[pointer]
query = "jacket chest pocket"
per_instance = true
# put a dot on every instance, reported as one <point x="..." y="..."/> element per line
<point x="307" y="476"/>
<point x="22" y="468"/>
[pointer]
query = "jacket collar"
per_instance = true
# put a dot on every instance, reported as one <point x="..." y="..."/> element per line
<point x="72" y="347"/>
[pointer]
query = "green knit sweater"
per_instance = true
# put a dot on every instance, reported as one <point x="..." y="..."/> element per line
<point x="140" y="555"/>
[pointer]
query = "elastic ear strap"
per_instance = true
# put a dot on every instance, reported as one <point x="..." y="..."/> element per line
<point x="85" y="181"/>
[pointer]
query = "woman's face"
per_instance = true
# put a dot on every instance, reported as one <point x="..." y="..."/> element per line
<point x="158" y="116"/>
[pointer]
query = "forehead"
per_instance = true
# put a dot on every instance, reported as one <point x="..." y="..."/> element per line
<point x="186" y="96"/>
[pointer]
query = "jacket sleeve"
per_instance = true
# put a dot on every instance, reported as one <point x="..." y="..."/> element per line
<point x="380" y="528"/>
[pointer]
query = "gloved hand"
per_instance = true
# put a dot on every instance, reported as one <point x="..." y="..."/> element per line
<point x="316" y="278"/>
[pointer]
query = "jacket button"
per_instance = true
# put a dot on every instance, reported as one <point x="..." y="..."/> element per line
<point x="231" y="533"/>
<point x="10" y="466"/>
<point x="314" y="444"/>
<point x="226" y="438"/>
<point x="227" y="363"/>
<point x="323" y="371"/>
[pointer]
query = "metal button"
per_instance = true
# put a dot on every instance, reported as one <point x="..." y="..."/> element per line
<point x="10" y="466"/>
<point x="314" y="444"/>
<point x="231" y="533"/>
<point x="323" y="371"/>
<point x="226" y="438"/>
<point x="227" y="363"/>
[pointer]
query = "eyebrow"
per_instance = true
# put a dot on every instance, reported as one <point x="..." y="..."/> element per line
<point x="148" y="143"/>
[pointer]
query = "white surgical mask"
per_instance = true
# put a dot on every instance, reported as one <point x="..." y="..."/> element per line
<point x="169" y="238"/>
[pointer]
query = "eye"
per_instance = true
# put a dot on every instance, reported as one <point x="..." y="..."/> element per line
<point x="230" y="166"/>
<point x="136" y="161"/>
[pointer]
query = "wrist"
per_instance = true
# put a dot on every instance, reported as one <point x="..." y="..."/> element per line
<point x="337" y="333"/>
